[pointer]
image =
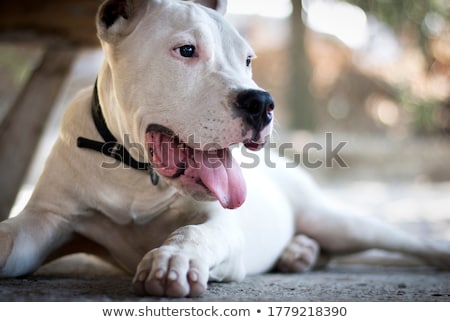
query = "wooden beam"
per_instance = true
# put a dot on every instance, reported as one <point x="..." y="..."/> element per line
<point x="21" y="130"/>
<point x="73" y="20"/>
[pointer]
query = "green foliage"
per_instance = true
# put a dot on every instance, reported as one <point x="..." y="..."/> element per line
<point x="408" y="15"/>
<point x="401" y="13"/>
<point x="417" y="18"/>
<point x="425" y="113"/>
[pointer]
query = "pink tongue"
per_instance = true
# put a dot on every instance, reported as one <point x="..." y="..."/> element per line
<point x="217" y="170"/>
<point x="222" y="175"/>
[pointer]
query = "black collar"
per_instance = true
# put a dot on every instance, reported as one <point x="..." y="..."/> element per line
<point x="110" y="147"/>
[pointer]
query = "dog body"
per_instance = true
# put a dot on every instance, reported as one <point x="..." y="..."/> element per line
<point x="177" y="96"/>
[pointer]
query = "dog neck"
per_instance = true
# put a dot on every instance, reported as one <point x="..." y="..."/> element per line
<point x="110" y="147"/>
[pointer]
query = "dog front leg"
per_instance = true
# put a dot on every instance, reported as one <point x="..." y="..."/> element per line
<point x="27" y="240"/>
<point x="189" y="258"/>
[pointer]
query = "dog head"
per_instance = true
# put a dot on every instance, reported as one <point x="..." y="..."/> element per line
<point x="177" y="79"/>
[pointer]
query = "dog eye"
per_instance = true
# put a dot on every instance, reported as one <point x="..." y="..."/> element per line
<point x="187" y="51"/>
<point x="248" y="62"/>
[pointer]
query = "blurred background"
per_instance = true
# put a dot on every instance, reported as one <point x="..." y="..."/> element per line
<point x="374" y="73"/>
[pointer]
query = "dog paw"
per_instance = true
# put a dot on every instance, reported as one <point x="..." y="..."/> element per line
<point x="167" y="271"/>
<point x="300" y="255"/>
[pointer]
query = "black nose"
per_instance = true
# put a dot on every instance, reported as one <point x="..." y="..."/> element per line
<point x="256" y="108"/>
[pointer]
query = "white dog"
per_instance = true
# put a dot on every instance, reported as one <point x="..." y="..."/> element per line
<point x="179" y="211"/>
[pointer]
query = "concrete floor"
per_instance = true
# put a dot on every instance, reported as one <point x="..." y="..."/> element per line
<point x="81" y="278"/>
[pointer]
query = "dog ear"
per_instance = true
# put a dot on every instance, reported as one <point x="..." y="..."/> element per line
<point x="118" y="18"/>
<point x="218" y="5"/>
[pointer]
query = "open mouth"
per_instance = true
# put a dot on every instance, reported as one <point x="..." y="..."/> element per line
<point x="212" y="172"/>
